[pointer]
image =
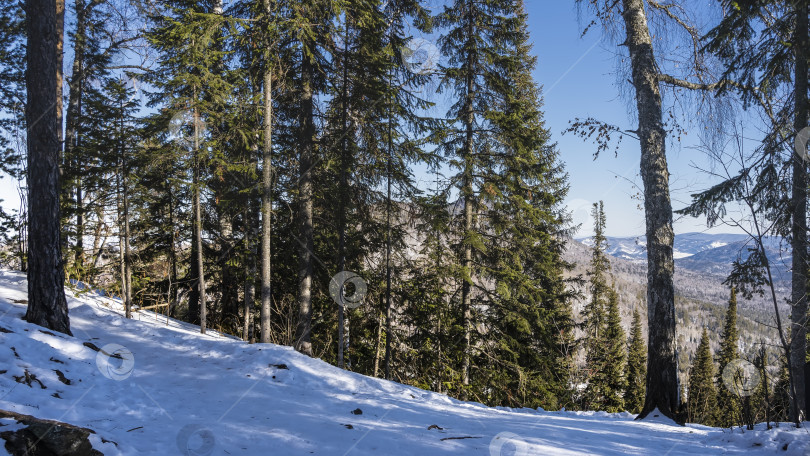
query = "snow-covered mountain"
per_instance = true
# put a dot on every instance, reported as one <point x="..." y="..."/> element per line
<point x="155" y="386"/>
<point x="701" y="252"/>
<point x="686" y="245"/>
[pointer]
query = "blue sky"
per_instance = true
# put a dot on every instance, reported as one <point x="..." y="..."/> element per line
<point x="578" y="76"/>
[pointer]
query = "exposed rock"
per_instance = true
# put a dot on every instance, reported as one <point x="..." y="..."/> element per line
<point x="46" y="438"/>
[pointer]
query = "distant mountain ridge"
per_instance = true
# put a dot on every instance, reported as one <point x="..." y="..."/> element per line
<point x="702" y="252"/>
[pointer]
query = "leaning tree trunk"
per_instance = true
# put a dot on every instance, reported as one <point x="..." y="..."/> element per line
<point x="46" y="277"/>
<point x="662" y="372"/>
<point x="303" y="341"/>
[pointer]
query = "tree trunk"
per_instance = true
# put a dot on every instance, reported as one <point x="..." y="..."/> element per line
<point x="303" y="341"/>
<point x="172" y="295"/>
<point x="60" y="57"/>
<point x="127" y="278"/>
<point x="250" y="272"/>
<point x="389" y="330"/>
<point x="197" y="209"/>
<point x="343" y="190"/>
<point x="467" y="194"/>
<point x="378" y="347"/>
<point x="267" y="197"/>
<point x="47" y="305"/>
<point x="798" y="314"/>
<point x="662" y="373"/>
<point x="73" y="121"/>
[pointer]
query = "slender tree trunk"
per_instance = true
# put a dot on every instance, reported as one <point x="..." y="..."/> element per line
<point x="172" y="256"/>
<point x="60" y="56"/>
<point x="73" y="122"/>
<point x="439" y="366"/>
<point x="47" y="305"/>
<point x="267" y="196"/>
<point x="389" y="330"/>
<point x="122" y="268"/>
<point x="305" y="204"/>
<point x="250" y="272"/>
<point x="798" y="314"/>
<point x="343" y="191"/>
<point x="126" y="265"/>
<point x="197" y="209"/>
<point x="127" y="277"/>
<point x="662" y="374"/>
<point x="378" y="346"/>
<point x="467" y="194"/>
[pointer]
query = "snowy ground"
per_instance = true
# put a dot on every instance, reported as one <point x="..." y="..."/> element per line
<point x="169" y="390"/>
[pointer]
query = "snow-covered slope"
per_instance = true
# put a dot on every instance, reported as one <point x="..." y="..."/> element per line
<point x="169" y="390"/>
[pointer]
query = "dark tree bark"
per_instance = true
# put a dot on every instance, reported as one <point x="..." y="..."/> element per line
<point x="662" y="373"/>
<point x="798" y="315"/>
<point x="267" y="197"/>
<point x="306" y="242"/>
<point x="47" y="305"/>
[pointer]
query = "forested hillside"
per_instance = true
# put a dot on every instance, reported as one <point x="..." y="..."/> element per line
<point x="380" y="187"/>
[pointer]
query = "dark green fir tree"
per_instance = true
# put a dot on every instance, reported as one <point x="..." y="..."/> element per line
<point x="508" y="230"/>
<point x="594" y="316"/>
<point x="636" y="367"/>
<point x="615" y="352"/>
<point x="702" y="395"/>
<point x="728" y="403"/>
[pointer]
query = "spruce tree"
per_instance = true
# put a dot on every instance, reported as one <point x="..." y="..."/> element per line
<point x="762" y="399"/>
<point x="525" y="238"/>
<point x="728" y="410"/>
<point x="702" y="395"/>
<point x="190" y="86"/>
<point x="508" y="229"/>
<point x="636" y="367"/>
<point x="594" y="316"/>
<point x="615" y="357"/>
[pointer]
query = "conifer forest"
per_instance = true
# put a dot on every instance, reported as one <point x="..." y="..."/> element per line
<point x="296" y="208"/>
